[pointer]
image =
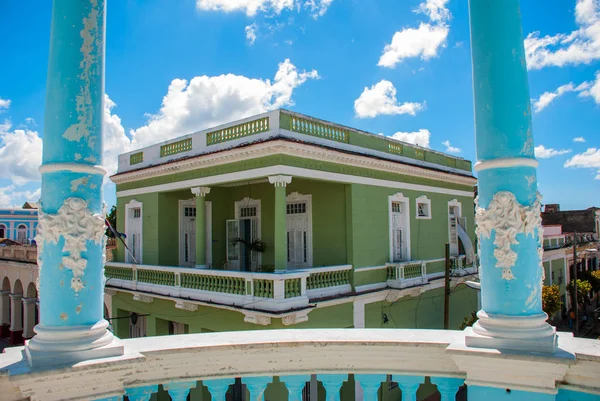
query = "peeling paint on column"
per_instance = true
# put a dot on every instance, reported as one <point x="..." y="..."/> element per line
<point x="91" y="50"/>
<point x="64" y="316"/>
<point x="79" y="181"/>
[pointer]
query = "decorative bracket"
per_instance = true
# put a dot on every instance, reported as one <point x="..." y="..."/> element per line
<point x="143" y="298"/>
<point x="188" y="306"/>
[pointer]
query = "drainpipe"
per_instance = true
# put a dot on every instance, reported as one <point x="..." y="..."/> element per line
<point x="508" y="212"/>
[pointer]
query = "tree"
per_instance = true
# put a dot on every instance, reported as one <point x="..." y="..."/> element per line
<point x="468" y="321"/>
<point x="594" y="278"/>
<point x="583" y="289"/>
<point x="551" y="302"/>
<point x="112" y="219"/>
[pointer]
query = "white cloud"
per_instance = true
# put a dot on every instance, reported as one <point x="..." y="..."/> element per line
<point x="435" y="9"/>
<point x="21" y="154"/>
<point x="424" y="41"/>
<point x="450" y="148"/>
<point x="420" y="137"/>
<point x="31" y="121"/>
<point x="208" y="101"/>
<point x="250" y="7"/>
<point x="579" y="139"/>
<point x="548" y="97"/>
<point x="251" y="33"/>
<point x="381" y="99"/>
<point x="317" y="8"/>
<point x="593" y="90"/>
<point x="581" y="46"/>
<point x="115" y="139"/>
<point x="545" y="153"/>
<point x="588" y="159"/>
<point x="10" y="196"/>
<point x="4" y="104"/>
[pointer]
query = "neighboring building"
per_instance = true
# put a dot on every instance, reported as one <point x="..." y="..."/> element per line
<point x="350" y="221"/>
<point x="19" y="224"/>
<point x="556" y="250"/>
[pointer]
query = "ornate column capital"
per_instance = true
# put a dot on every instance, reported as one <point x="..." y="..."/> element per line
<point x="200" y="191"/>
<point x="280" y="180"/>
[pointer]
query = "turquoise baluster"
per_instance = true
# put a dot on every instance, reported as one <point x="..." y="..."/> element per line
<point x="218" y="388"/>
<point x="370" y="385"/>
<point x="447" y="386"/>
<point x="179" y="390"/>
<point x="295" y="384"/>
<point x="409" y="386"/>
<point x="257" y="386"/>
<point x="142" y="393"/>
<point x="333" y="384"/>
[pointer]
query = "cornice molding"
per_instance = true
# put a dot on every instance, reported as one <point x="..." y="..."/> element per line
<point x="287" y="148"/>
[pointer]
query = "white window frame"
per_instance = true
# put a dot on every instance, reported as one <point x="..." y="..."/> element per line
<point x="133" y="204"/>
<point x="19" y="227"/>
<point x="423" y="199"/>
<point x="296" y="197"/>
<point x="399" y="197"/>
<point x="182" y="205"/>
<point x="454" y="202"/>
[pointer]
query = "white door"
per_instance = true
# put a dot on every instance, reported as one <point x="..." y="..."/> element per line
<point x="22" y="234"/>
<point x="298" y="249"/>
<point x="399" y="250"/>
<point x="134" y="235"/>
<point x="187" y="233"/>
<point x="453" y="215"/>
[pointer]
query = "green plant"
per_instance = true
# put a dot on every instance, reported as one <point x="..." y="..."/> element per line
<point x="267" y="268"/>
<point x="469" y="320"/>
<point x="583" y="289"/>
<point x="551" y="302"/>
<point x="112" y="219"/>
<point x="257" y="245"/>
<point x="594" y="278"/>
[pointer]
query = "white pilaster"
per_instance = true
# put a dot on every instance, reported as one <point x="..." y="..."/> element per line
<point x="29" y="305"/>
<point x="16" y="317"/>
<point x="4" y="307"/>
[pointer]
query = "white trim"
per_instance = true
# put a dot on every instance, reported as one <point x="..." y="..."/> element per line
<point x="399" y="197"/>
<point x="505" y="163"/>
<point x="294" y="171"/>
<point x="306" y="151"/>
<point x="369" y="268"/>
<point x="297" y="197"/>
<point x="72" y="167"/>
<point x="425" y="200"/>
<point x="132" y="205"/>
<point x="370" y="287"/>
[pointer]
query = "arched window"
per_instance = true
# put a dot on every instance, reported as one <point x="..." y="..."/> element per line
<point x="22" y="234"/>
<point x="2" y="231"/>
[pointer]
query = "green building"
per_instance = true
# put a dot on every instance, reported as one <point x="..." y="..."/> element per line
<point x="283" y="220"/>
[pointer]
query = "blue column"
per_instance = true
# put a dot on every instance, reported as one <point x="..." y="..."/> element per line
<point x="295" y="384"/>
<point x="409" y="385"/>
<point x="218" y="388"/>
<point x="508" y="211"/>
<point x="333" y="384"/>
<point x="70" y="236"/>
<point x="370" y="385"/>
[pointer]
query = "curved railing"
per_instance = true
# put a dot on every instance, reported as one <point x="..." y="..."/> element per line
<point x="281" y="364"/>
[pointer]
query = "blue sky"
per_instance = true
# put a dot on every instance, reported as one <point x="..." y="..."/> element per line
<point x="397" y="67"/>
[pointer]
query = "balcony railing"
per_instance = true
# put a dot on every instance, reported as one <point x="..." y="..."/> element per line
<point x="278" y="364"/>
<point x="19" y="252"/>
<point x="407" y="274"/>
<point x="266" y="291"/>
